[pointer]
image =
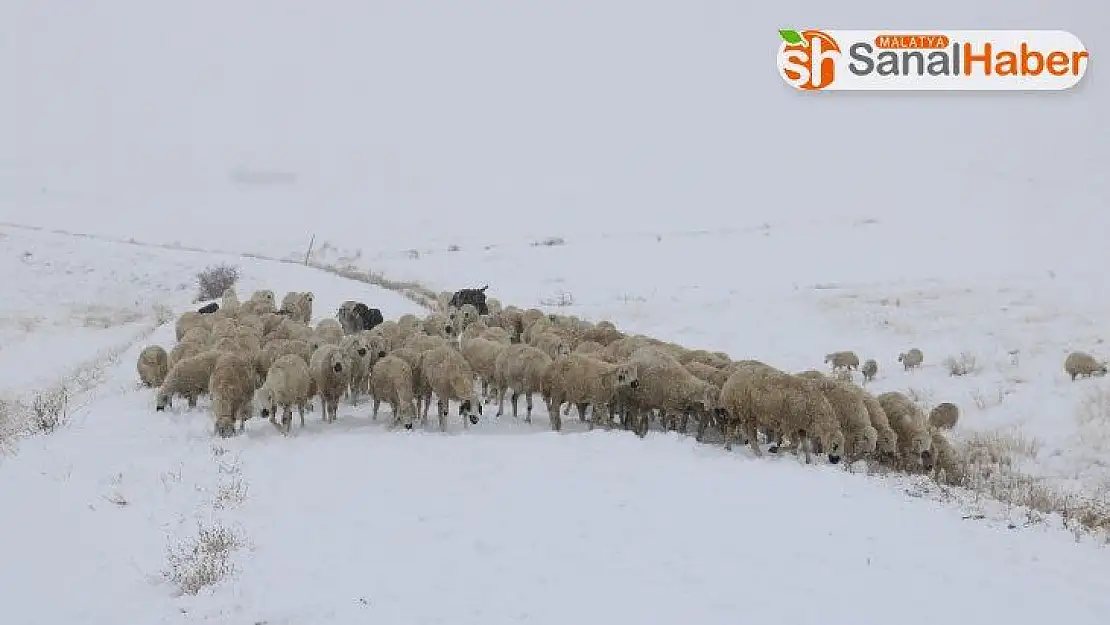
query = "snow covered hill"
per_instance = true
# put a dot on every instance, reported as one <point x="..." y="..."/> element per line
<point x="636" y="161"/>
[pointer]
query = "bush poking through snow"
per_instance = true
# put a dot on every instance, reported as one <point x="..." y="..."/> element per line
<point x="549" y="242"/>
<point x="964" y="364"/>
<point x="48" y="410"/>
<point x="214" y="280"/>
<point x="203" y="560"/>
<point x="560" y="299"/>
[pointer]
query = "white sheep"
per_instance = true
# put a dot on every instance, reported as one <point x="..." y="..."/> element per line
<point x="842" y="360"/>
<point x="911" y="425"/>
<point x="153" y="365"/>
<point x="869" y="369"/>
<point x="911" y="359"/>
<point x="188" y="377"/>
<point x="298" y="305"/>
<point x="944" y="416"/>
<point x="468" y="314"/>
<point x="522" y="368"/>
<point x="446" y="373"/>
<point x="755" y="397"/>
<point x="667" y="386"/>
<point x="184" y="350"/>
<point x="232" y="387"/>
<point x="481" y="354"/>
<point x="584" y="380"/>
<point x="331" y="371"/>
<point x="497" y="335"/>
<point x="1083" y="364"/>
<point x="855" y="422"/>
<point x="287" y="384"/>
<point x="392" y="380"/>
<point x="357" y="348"/>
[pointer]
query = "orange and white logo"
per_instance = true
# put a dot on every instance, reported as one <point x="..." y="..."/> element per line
<point x="956" y="60"/>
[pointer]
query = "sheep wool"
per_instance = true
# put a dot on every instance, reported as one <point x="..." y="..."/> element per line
<point x="232" y="387"/>
<point x="1083" y="364"/>
<point x="153" y="365"/>
<point x="287" y="385"/>
<point x="331" y="371"/>
<point x="392" y="380"/>
<point x="911" y="359"/>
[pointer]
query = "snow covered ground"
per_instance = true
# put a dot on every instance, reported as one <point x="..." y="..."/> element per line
<point x="354" y="522"/>
<point x="637" y="161"/>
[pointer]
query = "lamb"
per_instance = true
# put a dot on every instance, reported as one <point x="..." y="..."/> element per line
<point x="944" y="416"/>
<point x="229" y="301"/>
<point x="481" y="354"/>
<point x="331" y="370"/>
<point x="911" y="425"/>
<point x="287" y="385"/>
<point x="911" y="359"/>
<point x="392" y="380"/>
<point x="666" y="385"/>
<point x="860" y="436"/>
<point x="869" y="369"/>
<point x="153" y="365"/>
<point x="189" y="378"/>
<point x="584" y="380"/>
<point x="756" y="397"/>
<point x="446" y="374"/>
<point x="842" y="360"/>
<point x="522" y="368"/>
<point x="357" y="348"/>
<point x="1081" y="363"/>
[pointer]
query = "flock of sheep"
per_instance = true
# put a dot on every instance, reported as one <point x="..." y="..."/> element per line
<point x="259" y="358"/>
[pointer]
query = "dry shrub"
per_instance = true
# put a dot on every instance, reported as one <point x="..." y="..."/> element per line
<point x="560" y="299"/>
<point x="213" y="280"/>
<point x="991" y="465"/>
<point x="549" y="242"/>
<point x="964" y="364"/>
<point x="202" y="560"/>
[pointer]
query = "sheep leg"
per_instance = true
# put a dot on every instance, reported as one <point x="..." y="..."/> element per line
<point x="528" y="406"/>
<point x="581" y="411"/>
<point x="753" y="438"/>
<point x="300" y="410"/>
<point x="515" y="396"/>
<point x="377" y="404"/>
<point x="192" y="399"/>
<point x="442" y="405"/>
<point x="287" y="419"/>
